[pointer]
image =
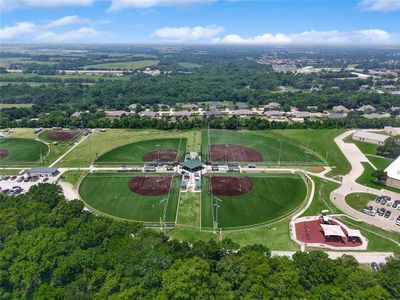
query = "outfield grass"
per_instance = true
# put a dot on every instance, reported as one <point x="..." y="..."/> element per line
<point x="72" y="177"/>
<point x="125" y="65"/>
<point x="358" y="201"/>
<point x="133" y="153"/>
<point x="368" y="180"/>
<point x="22" y="152"/>
<point x="189" y="210"/>
<point x="273" y="196"/>
<point x="101" y="142"/>
<point x="322" y="142"/>
<point x="108" y="194"/>
<point x="275" y="151"/>
<point x="24" y="133"/>
<point x="16" y="105"/>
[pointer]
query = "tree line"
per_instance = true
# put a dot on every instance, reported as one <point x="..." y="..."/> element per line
<point x="51" y="248"/>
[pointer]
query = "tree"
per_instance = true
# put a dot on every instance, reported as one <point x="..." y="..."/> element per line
<point x="380" y="176"/>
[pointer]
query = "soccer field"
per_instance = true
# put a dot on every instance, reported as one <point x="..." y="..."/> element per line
<point x="273" y="196"/>
<point x="133" y="153"/>
<point x="274" y="151"/>
<point x="108" y="194"/>
<point x="21" y="152"/>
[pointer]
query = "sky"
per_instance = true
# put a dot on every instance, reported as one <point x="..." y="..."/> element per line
<point x="242" y="22"/>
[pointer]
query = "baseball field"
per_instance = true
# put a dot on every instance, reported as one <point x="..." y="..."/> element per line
<point x="21" y="152"/>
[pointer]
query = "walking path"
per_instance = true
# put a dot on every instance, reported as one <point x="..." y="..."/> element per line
<point x="72" y="148"/>
<point x="361" y="257"/>
<point x="349" y="185"/>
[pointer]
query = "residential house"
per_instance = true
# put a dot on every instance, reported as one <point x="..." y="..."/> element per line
<point x="340" y="109"/>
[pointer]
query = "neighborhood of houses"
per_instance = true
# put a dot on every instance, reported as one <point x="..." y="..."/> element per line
<point x="271" y="111"/>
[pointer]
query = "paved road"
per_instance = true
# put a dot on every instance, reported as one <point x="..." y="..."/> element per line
<point x="361" y="257"/>
<point x="349" y="185"/>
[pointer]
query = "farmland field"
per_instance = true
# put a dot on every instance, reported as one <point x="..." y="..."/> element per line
<point x="21" y="152"/>
<point x="273" y="196"/>
<point x="108" y="194"/>
<point x="274" y="151"/>
<point x="127" y="65"/>
<point x="134" y="153"/>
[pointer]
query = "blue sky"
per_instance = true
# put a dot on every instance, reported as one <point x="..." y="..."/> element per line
<point x="269" y="22"/>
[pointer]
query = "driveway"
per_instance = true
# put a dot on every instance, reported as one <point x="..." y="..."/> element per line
<point x="349" y="185"/>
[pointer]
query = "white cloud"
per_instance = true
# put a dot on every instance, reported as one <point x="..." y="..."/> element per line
<point x="68" y="20"/>
<point x="380" y="5"/>
<point x="375" y="37"/>
<point x="82" y="34"/>
<point x="8" y="5"/>
<point x="181" y="34"/>
<point x="121" y="4"/>
<point x="17" y="30"/>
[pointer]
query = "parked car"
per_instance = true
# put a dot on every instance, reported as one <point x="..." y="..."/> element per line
<point x="394" y="205"/>
<point x="378" y="199"/>
<point x="367" y="210"/>
<point x="373" y="212"/>
<point x="5" y="178"/>
<point x="20" y="179"/>
<point x="381" y="265"/>
<point x="398" y="221"/>
<point x="387" y="214"/>
<point x="45" y="179"/>
<point x="381" y="211"/>
<point x="389" y="203"/>
<point x="374" y="266"/>
<point x="13" y="177"/>
<point x="384" y="201"/>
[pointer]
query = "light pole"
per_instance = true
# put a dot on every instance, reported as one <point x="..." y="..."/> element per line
<point x="158" y="154"/>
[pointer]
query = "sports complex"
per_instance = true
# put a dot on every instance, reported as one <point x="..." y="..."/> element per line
<point x="208" y="181"/>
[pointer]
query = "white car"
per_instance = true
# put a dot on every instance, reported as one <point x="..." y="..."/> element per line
<point x="389" y="203"/>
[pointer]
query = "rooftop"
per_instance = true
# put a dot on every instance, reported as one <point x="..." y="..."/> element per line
<point x="370" y="136"/>
<point x="192" y="164"/>
<point x="393" y="171"/>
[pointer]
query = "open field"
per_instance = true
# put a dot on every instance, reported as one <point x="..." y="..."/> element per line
<point x="381" y="163"/>
<point x="134" y="153"/>
<point x="108" y="194"/>
<point x="274" y="151"/>
<point x="26" y="77"/>
<point x="272" y="196"/>
<point x="16" y="105"/>
<point x="21" y="152"/>
<point x="322" y="142"/>
<point x="189" y="210"/>
<point x="126" y="65"/>
<point x="365" y="148"/>
<point x="99" y="143"/>
<point x="358" y="201"/>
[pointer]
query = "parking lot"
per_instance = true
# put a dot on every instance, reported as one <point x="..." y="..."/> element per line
<point x="384" y="207"/>
<point x="14" y="185"/>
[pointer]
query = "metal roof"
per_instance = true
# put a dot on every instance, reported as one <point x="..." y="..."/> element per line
<point x="192" y="164"/>
<point x="370" y="135"/>
<point x="393" y="171"/>
<point x="43" y="170"/>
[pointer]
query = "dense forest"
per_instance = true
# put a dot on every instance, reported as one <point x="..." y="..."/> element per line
<point x="53" y="249"/>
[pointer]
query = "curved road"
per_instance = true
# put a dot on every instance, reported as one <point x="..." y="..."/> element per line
<point x="349" y="185"/>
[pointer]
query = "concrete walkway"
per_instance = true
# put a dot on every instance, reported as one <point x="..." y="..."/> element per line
<point x="361" y="257"/>
<point x="349" y="185"/>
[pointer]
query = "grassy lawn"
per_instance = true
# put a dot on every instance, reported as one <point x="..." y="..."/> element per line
<point x="188" y="65"/>
<point x="322" y="142"/>
<point x="133" y="153"/>
<point x="72" y="177"/>
<point x="25" y="133"/>
<point x="272" y="149"/>
<point x="108" y="194"/>
<point x="16" y="105"/>
<point x="365" y="148"/>
<point x="381" y="163"/>
<point x="271" y="197"/>
<point x="189" y="210"/>
<point x="126" y="65"/>
<point x="22" y="152"/>
<point x="367" y="179"/>
<point x="321" y="201"/>
<point x="99" y="143"/>
<point x="358" y="201"/>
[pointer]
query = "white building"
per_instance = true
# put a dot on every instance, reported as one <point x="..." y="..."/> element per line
<point x="369" y="137"/>
<point x="393" y="172"/>
<point x="394" y="131"/>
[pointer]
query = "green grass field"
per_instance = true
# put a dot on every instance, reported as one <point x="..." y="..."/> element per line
<point x="22" y="152"/>
<point x="322" y="142"/>
<point x="126" y="65"/>
<point x="108" y="194"/>
<point x="133" y="153"/>
<point x="358" y="201"/>
<point x="367" y="180"/>
<point x="273" y="196"/>
<point x="274" y="150"/>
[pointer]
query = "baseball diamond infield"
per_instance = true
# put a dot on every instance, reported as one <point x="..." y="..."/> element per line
<point x="60" y="135"/>
<point x="231" y="152"/>
<point x="162" y="155"/>
<point x="151" y="185"/>
<point x="3" y="153"/>
<point x="230" y="185"/>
